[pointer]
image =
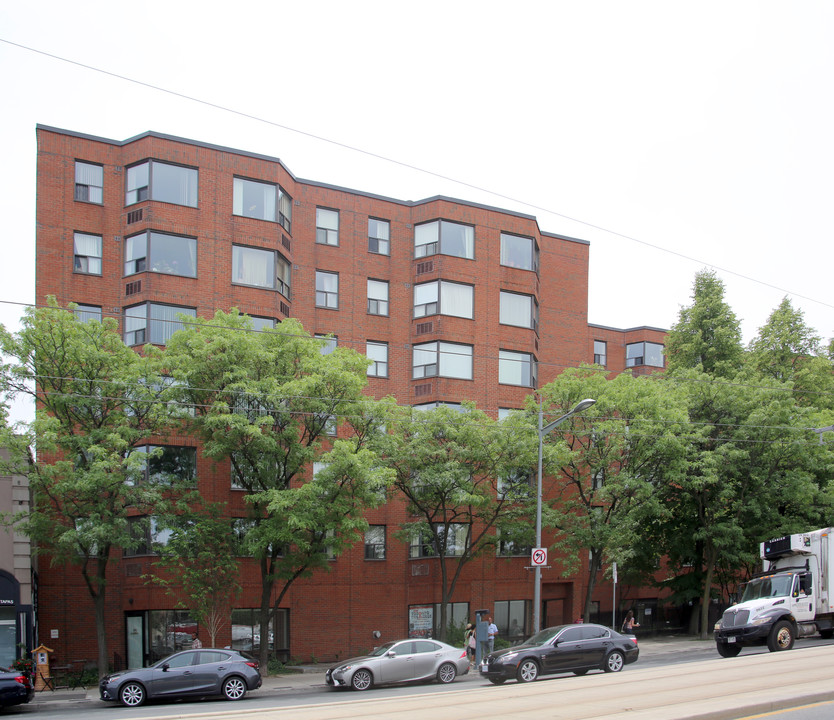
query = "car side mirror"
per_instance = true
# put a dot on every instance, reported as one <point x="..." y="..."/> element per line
<point x="391" y="653"/>
<point x="165" y="667"/>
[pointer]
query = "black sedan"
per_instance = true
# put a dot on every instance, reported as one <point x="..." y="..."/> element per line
<point x="191" y="673"/>
<point x="15" y="688"/>
<point x="564" y="648"/>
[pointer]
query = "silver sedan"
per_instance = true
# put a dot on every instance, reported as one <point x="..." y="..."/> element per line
<point x="398" y="662"/>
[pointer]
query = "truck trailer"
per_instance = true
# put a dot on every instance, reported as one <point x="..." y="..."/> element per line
<point x="791" y="598"/>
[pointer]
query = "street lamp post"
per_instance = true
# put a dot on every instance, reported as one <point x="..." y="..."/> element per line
<point x="537" y="588"/>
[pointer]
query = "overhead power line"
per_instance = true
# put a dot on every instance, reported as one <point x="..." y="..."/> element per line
<point x="406" y="165"/>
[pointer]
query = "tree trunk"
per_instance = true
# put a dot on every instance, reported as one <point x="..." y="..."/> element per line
<point x="267" y="583"/>
<point x="96" y="586"/>
<point x="596" y="564"/>
<point x="707" y="594"/>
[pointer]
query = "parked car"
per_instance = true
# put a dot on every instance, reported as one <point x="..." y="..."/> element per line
<point x="190" y="673"/>
<point x="15" y="688"/>
<point x="398" y="662"/>
<point x="574" y="648"/>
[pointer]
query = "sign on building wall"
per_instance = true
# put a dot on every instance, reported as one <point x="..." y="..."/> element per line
<point x="420" y="620"/>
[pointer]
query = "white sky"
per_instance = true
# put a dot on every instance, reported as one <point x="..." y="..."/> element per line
<point x="703" y="130"/>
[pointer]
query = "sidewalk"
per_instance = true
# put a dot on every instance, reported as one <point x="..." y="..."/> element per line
<point x="312" y="675"/>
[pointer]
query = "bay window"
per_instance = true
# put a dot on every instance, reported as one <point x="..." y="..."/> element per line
<point x="162" y="253"/>
<point x="445" y="238"/>
<point x="444" y="298"/>
<point x="516" y="368"/>
<point x="442" y="359"/>
<point x="519" y="310"/>
<point x="155" y="180"/>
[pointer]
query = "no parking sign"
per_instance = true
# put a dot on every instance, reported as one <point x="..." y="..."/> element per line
<point x="539" y="557"/>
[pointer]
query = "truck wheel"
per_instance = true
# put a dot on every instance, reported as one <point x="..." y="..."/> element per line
<point x="726" y="650"/>
<point x="781" y="637"/>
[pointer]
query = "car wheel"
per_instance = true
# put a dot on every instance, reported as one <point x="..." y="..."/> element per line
<point x="725" y="650"/>
<point x="234" y="688"/>
<point x="446" y="673"/>
<point x="362" y="680"/>
<point x="580" y="672"/>
<point x="498" y="681"/>
<point x="527" y="671"/>
<point x="781" y="637"/>
<point x="132" y="694"/>
<point x="614" y="662"/>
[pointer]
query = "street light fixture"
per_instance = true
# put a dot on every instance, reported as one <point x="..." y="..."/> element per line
<point x="544" y="430"/>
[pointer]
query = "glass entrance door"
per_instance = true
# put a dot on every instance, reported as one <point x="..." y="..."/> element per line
<point x="135" y="627"/>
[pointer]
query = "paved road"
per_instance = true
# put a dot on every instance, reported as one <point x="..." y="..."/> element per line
<point x="681" y="678"/>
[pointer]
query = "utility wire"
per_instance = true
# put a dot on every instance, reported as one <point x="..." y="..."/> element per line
<point x="409" y="166"/>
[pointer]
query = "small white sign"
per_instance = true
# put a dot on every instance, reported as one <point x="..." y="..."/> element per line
<point x="539" y="557"/>
<point x="53" y="633"/>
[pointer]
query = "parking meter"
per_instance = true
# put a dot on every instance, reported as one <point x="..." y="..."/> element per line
<point x="481" y="634"/>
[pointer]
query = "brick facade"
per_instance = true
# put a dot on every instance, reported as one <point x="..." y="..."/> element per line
<point x="332" y="614"/>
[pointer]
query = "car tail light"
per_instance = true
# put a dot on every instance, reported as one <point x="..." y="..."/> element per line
<point x="22" y="679"/>
<point x="253" y="664"/>
<point x="462" y="655"/>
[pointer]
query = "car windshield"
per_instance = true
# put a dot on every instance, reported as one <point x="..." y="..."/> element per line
<point x="382" y="649"/>
<point x="766" y="587"/>
<point x="544" y="636"/>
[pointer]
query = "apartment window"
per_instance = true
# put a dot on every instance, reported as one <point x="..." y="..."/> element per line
<point x="154" y="180"/>
<point x="375" y="542"/>
<point x="327" y="289"/>
<point x="511" y="618"/>
<point x="161" y="253"/>
<point x="444" y="298"/>
<point x="85" y="313"/>
<point x="86" y="251"/>
<point x="444" y="237"/>
<point x="600" y="352"/>
<point x="515" y="486"/>
<point x="452" y="541"/>
<point x="262" y="323"/>
<point x="147" y="536"/>
<point x="153" y="323"/>
<point x="262" y="201"/>
<point x="329" y="343"/>
<point x="166" y="465"/>
<point x="644" y="353"/>
<point x="260" y="268"/>
<point x="516" y="368"/>
<point x="378" y="352"/>
<point x="377" y="297"/>
<point x="89" y="182"/>
<point x="327" y="226"/>
<point x="519" y="252"/>
<point x="379" y="236"/>
<point x="519" y="310"/>
<point x="442" y="359"/>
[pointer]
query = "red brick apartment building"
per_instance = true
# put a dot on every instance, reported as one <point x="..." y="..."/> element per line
<point x="155" y="225"/>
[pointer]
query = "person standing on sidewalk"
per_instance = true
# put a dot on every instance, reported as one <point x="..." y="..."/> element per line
<point x="195" y="641"/>
<point x="492" y="632"/>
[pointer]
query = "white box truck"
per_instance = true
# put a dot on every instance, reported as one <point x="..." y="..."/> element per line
<point x="792" y="598"/>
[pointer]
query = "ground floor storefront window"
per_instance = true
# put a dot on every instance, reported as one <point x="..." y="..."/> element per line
<point x="246" y="633"/>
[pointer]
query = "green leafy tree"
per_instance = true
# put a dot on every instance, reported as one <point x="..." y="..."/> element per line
<point x="267" y="403"/>
<point x="787" y="350"/>
<point x="199" y="566"/>
<point x="604" y="492"/>
<point x="467" y="483"/>
<point x="97" y="401"/>
<point x="751" y="472"/>
<point x="707" y="335"/>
